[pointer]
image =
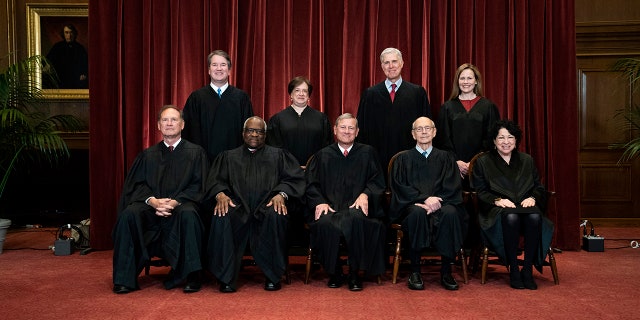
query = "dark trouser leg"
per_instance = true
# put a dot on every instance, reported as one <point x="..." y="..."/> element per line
<point x="182" y="235"/>
<point x="416" y="226"/>
<point x="268" y="244"/>
<point x="531" y="226"/>
<point x="325" y="240"/>
<point x="226" y="245"/>
<point x="129" y="251"/>
<point x="511" y="236"/>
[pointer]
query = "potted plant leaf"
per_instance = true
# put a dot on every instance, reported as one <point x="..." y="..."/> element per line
<point x="29" y="136"/>
<point x="629" y="117"/>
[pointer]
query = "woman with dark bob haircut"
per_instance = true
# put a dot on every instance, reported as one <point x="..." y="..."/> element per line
<point x="512" y="203"/>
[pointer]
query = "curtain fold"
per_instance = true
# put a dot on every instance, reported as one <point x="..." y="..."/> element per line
<point x="153" y="53"/>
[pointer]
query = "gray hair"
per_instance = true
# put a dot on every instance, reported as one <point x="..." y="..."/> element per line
<point x="244" y="126"/>
<point x="345" y="116"/>
<point x="389" y="51"/>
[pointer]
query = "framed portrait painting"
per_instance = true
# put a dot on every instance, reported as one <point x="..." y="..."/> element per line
<point x="59" y="32"/>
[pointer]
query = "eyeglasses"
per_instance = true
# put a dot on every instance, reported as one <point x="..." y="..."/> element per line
<point x="252" y="131"/>
<point x="423" y="129"/>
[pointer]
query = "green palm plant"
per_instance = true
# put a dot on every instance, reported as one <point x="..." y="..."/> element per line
<point x="630" y="118"/>
<point x="27" y="135"/>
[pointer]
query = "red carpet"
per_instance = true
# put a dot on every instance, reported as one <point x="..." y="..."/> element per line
<point x="36" y="284"/>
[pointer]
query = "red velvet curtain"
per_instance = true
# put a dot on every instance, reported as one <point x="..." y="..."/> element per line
<point x="153" y="53"/>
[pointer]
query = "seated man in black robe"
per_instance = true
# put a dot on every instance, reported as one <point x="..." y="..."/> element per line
<point x="250" y="185"/>
<point x="427" y="200"/>
<point x="344" y="187"/>
<point x="158" y="210"/>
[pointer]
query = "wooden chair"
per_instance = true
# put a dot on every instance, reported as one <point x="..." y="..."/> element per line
<point x="397" y="257"/>
<point x="487" y="256"/>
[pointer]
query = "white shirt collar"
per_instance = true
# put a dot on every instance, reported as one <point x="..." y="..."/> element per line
<point x="387" y="83"/>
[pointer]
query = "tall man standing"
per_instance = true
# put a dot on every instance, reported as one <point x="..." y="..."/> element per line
<point x="427" y="201"/>
<point x="387" y="109"/>
<point x="214" y="114"/>
<point x="247" y="191"/>
<point x="158" y="210"/>
<point x="344" y="187"/>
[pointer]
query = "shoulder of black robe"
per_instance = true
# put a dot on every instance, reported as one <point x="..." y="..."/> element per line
<point x="277" y="171"/>
<point x="179" y="175"/>
<point x="491" y="180"/>
<point x="465" y="133"/>
<point x="366" y="110"/>
<point x="274" y="134"/>
<point x="337" y="180"/>
<point x="413" y="179"/>
<point x="214" y="123"/>
<point x="386" y="125"/>
<point x="192" y="113"/>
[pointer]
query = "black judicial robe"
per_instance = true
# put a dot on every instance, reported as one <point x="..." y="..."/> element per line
<point x="251" y="180"/>
<point x="302" y="135"/>
<point x="216" y="123"/>
<point x="386" y="125"/>
<point x="337" y="180"/>
<point x="412" y="180"/>
<point x="494" y="178"/>
<point x="465" y="133"/>
<point x="139" y="234"/>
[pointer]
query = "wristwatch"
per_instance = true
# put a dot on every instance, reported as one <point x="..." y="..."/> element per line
<point x="284" y="195"/>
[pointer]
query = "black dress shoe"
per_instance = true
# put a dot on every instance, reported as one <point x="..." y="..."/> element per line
<point x="193" y="283"/>
<point x="192" y="287"/>
<point x="528" y="282"/>
<point x="515" y="280"/>
<point x="120" y="289"/>
<point x="272" y="286"/>
<point x="448" y="282"/>
<point x="335" y="280"/>
<point x="355" y="283"/>
<point x="225" y="288"/>
<point x="415" y="281"/>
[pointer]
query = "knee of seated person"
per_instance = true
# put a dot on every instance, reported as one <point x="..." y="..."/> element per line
<point x="512" y="218"/>
<point x="534" y="218"/>
<point x="356" y="212"/>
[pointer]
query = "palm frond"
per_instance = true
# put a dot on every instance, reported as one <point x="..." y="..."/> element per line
<point x="27" y="135"/>
<point x="630" y="68"/>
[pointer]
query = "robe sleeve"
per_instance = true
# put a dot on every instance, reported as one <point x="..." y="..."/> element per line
<point x="194" y="191"/>
<point x="313" y="193"/>
<point x="402" y="192"/>
<point x="274" y="136"/>
<point x="135" y="187"/>
<point x="291" y="176"/>
<point x="191" y="117"/>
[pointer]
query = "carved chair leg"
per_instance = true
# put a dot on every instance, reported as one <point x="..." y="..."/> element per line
<point x="463" y="262"/>
<point x="554" y="268"/>
<point x="485" y="262"/>
<point x="308" y="266"/>
<point x="397" y="257"/>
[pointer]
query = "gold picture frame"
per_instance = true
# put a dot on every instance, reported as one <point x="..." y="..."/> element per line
<point x="45" y="23"/>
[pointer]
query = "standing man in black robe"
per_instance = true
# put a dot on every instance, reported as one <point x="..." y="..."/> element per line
<point x="214" y="114"/>
<point x="387" y="109"/>
<point x="158" y="210"/>
<point x="345" y="184"/>
<point x="250" y="185"/>
<point x="427" y="200"/>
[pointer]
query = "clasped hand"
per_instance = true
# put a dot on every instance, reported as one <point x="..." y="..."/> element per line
<point x="164" y="206"/>
<point x="431" y="204"/>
